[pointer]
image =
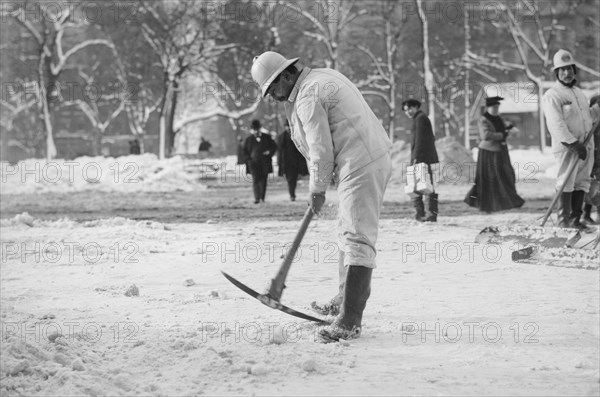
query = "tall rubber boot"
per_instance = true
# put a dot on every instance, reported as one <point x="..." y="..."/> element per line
<point x="348" y="324"/>
<point x="419" y="208"/>
<point x="587" y="215"/>
<point x="332" y="308"/>
<point x="432" y="207"/>
<point x="564" y="209"/>
<point x="577" y="210"/>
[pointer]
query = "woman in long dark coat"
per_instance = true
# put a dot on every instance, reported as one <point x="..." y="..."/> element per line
<point x="494" y="188"/>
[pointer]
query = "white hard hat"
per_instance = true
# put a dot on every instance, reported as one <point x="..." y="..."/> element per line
<point x="562" y="58"/>
<point x="267" y="66"/>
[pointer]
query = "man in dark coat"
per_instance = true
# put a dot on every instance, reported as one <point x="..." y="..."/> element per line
<point x="422" y="150"/>
<point x="292" y="163"/>
<point x="258" y="150"/>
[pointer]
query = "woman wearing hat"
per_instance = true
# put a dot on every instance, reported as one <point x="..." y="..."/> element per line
<point x="494" y="188"/>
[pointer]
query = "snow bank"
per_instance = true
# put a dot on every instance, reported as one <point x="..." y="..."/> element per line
<point x="534" y="161"/>
<point x="458" y="164"/>
<point x="124" y="174"/>
<point x="25" y="219"/>
<point x="148" y="174"/>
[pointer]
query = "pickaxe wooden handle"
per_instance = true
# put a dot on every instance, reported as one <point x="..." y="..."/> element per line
<point x="278" y="283"/>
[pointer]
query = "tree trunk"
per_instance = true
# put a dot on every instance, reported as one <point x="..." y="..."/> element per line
<point x="392" y="113"/>
<point x="45" y="114"/>
<point x="161" y="119"/>
<point x="161" y="137"/>
<point x="429" y="82"/>
<point x="170" y="133"/>
<point x="541" y="120"/>
<point x="97" y="142"/>
<point x="467" y="94"/>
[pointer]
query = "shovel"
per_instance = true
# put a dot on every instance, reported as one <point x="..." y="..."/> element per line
<point x="534" y="240"/>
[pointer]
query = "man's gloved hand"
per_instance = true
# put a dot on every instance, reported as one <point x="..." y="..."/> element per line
<point x="316" y="201"/>
<point x="577" y="148"/>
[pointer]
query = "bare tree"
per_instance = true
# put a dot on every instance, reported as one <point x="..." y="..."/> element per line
<point x="16" y="107"/>
<point x="330" y="18"/>
<point x="427" y="73"/>
<point x="100" y="111"/>
<point x="139" y="111"/>
<point x="51" y="31"/>
<point x="382" y="81"/>
<point x="14" y="103"/>
<point x="225" y="101"/>
<point x="182" y="36"/>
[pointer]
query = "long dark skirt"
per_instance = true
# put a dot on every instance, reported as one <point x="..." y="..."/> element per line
<point x="494" y="188"/>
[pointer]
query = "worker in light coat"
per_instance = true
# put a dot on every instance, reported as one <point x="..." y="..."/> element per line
<point x="342" y="139"/>
<point x="569" y="119"/>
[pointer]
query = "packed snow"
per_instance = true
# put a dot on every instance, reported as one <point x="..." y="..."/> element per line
<point x="119" y="306"/>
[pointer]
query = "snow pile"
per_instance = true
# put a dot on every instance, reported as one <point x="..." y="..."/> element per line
<point x="456" y="162"/>
<point x="533" y="161"/>
<point x="458" y="165"/>
<point x="145" y="173"/>
<point x="25" y="219"/>
<point x="57" y="364"/>
<point x="124" y="174"/>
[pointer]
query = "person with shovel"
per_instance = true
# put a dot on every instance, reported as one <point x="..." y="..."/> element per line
<point x="569" y="120"/>
<point x="342" y="139"/>
<point x="587" y="208"/>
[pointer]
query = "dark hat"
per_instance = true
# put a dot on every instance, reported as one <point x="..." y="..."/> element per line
<point x="491" y="101"/>
<point x="255" y="125"/>
<point x="411" y="103"/>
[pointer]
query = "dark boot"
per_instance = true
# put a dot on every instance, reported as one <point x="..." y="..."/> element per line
<point x="432" y="207"/>
<point x="564" y="209"/>
<point x="348" y="323"/>
<point x="332" y="308"/>
<point x="587" y="215"/>
<point x="577" y="209"/>
<point x="419" y="208"/>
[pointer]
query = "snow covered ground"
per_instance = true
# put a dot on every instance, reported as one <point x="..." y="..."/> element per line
<point x="446" y="316"/>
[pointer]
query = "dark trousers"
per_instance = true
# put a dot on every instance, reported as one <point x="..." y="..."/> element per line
<point x="259" y="181"/>
<point x="291" y="176"/>
<point x="260" y="187"/>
